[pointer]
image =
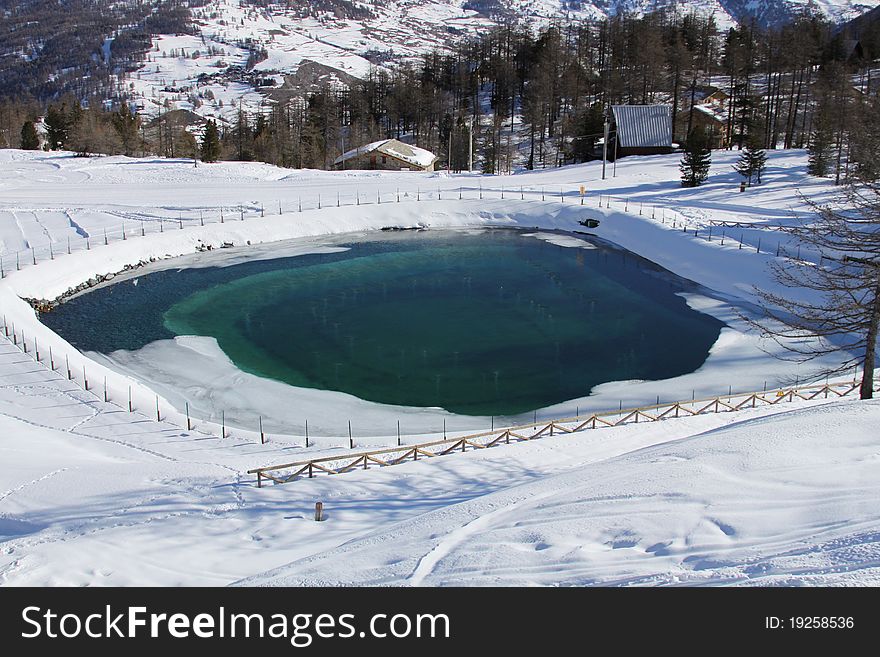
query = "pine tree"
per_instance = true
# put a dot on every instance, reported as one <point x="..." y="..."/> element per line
<point x="30" y="140"/>
<point x="752" y="163"/>
<point x="821" y="151"/>
<point x="696" y="160"/>
<point x="58" y="122"/>
<point x="211" y="143"/>
<point x="128" y="126"/>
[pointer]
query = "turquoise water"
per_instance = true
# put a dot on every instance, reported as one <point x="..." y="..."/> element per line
<point x="489" y="324"/>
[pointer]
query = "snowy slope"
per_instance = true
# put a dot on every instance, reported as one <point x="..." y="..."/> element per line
<point x="56" y="196"/>
<point x="91" y="494"/>
<point x="791" y="499"/>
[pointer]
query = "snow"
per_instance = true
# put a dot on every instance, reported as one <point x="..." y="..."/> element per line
<point x="764" y="501"/>
<point x="414" y="155"/>
<point x="91" y="494"/>
<point x="713" y="111"/>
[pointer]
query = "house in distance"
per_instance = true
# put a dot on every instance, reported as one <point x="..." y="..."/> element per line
<point x="388" y="155"/>
<point x="643" y="129"/>
<point x="709" y="113"/>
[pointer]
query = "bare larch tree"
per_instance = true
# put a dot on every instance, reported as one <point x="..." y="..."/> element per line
<point x="841" y="311"/>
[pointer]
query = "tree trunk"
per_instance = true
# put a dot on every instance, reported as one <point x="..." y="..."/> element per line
<point x="675" y="89"/>
<point x="866" y="391"/>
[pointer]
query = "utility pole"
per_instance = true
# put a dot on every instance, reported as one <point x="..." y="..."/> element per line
<point x="449" y="152"/>
<point x="605" y="145"/>
<point x="614" y="169"/>
<point x="342" y="136"/>
<point x="471" y="145"/>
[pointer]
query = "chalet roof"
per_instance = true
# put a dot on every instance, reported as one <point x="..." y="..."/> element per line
<point x="413" y="155"/>
<point x="640" y="126"/>
<point x="712" y="111"/>
<point x="719" y="94"/>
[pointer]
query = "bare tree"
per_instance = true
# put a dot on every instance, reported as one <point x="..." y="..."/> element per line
<point x="841" y="311"/>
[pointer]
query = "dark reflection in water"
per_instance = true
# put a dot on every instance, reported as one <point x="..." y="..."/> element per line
<point x="487" y="324"/>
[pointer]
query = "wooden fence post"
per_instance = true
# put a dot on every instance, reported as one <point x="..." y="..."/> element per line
<point x="319" y="511"/>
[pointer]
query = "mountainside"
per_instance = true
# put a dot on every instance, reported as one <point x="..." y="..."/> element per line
<point x="48" y="47"/>
<point x="52" y="46"/>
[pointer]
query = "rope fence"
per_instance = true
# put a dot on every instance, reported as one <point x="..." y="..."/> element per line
<point x="132" y="227"/>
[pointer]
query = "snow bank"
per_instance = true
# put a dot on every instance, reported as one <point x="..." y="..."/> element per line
<point x="791" y="499"/>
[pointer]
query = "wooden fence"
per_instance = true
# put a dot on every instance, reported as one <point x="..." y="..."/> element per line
<point x="283" y="473"/>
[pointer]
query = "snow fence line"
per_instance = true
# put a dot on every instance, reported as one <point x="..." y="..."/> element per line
<point x="132" y="228"/>
<point x="286" y="472"/>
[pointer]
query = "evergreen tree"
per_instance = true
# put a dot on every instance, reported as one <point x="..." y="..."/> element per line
<point x="59" y="122"/>
<point x="30" y="140"/>
<point x="696" y="160"/>
<point x="211" y="143"/>
<point x="821" y="150"/>
<point x="127" y="125"/>
<point x="752" y="163"/>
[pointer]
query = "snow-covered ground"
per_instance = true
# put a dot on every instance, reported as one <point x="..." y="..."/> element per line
<point x="93" y="494"/>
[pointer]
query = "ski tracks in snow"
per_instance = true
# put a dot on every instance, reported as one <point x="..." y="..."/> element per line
<point x="428" y="563"/>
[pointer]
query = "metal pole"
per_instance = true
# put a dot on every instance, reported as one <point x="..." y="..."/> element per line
<point x="614" y="168"/>
<point x="605" y="147"/>
<point x="449" y="153"/>
<point x="471" y="147"/>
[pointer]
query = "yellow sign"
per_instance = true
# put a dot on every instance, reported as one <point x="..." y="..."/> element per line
<point x="583" y="190"/>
